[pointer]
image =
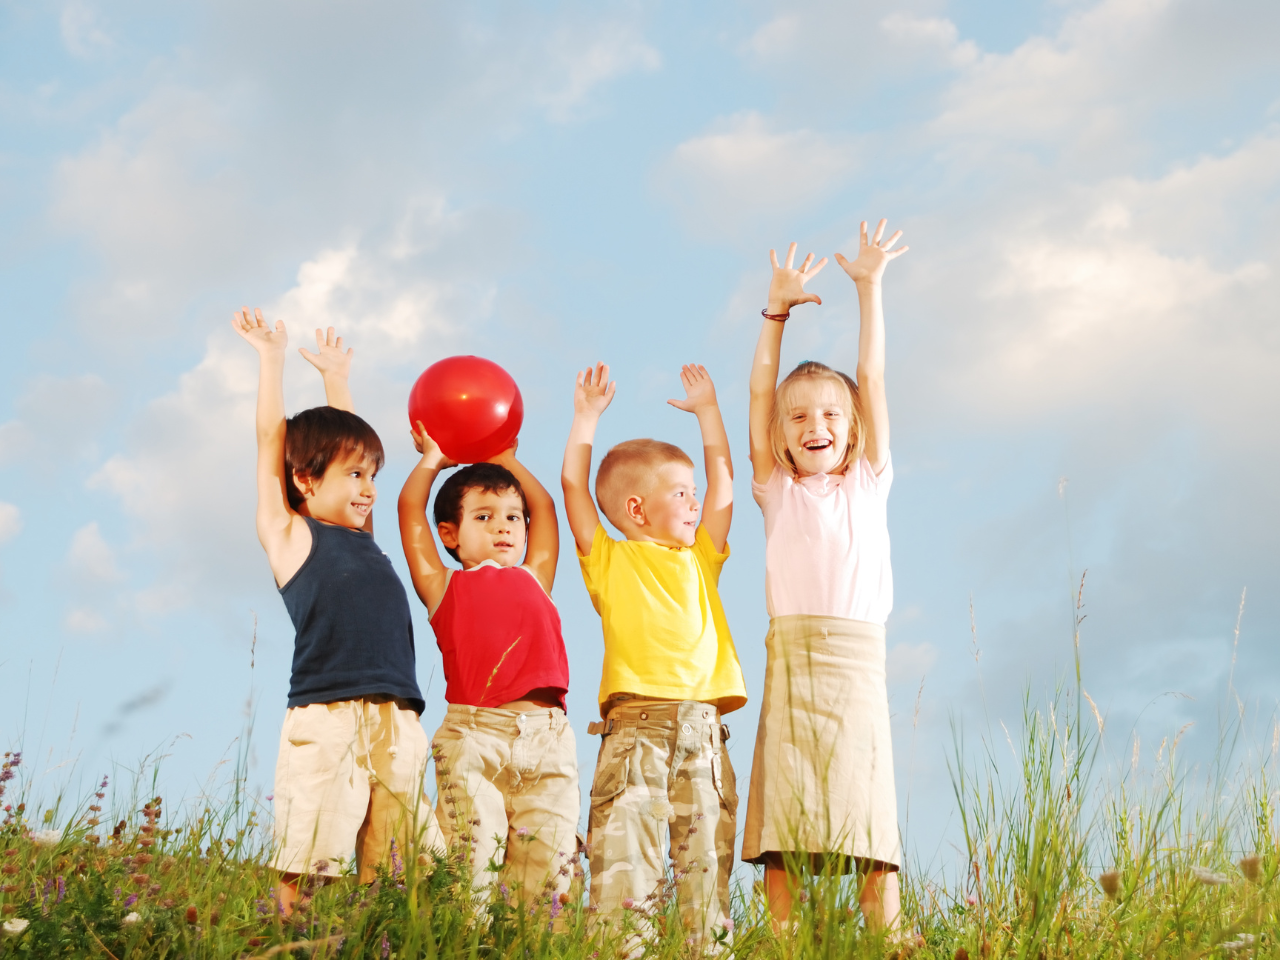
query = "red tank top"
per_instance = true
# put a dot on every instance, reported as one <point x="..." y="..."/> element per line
<point x="499" y="634"/>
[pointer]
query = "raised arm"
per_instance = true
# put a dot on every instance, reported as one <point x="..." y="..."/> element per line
<point x="429" y="574"/>
<point x="867" y="272"/>
<point x="285" y="538"/>
<point x="700" y="400"/>
<point x="592" y="394"/>
<point x="334" y="365"/>
<point x="543" y="547"/>
<point x="786" y="290"/>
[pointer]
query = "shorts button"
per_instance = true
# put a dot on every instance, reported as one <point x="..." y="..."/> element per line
<point x="687" y="729"/>
<point x="644" y="716"/>
<point x="705" y="714"/>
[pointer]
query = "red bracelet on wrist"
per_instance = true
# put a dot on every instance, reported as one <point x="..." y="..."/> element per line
<point x="780" y="317"/>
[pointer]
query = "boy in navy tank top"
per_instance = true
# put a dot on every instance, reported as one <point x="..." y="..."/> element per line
<point x="352" y="749"/>
<point x="506" y="758"/>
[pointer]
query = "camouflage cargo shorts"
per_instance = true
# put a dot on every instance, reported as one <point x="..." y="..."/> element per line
<point x="663" y="779"/>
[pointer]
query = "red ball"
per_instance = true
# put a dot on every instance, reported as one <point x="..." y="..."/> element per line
<point x="470" y="406"/>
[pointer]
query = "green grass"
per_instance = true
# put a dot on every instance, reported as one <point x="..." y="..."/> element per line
<point x="1070" y="852"/>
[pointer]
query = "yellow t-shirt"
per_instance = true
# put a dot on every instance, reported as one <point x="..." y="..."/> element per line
<point x="665" y="635"/>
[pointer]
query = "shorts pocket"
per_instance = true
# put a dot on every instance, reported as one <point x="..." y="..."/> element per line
<point x="725" y="781"/>
<point x="611" y="775"/>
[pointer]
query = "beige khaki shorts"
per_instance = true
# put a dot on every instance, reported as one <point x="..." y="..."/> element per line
<point x="349" y="777"/>
<point x="508" y="795"/>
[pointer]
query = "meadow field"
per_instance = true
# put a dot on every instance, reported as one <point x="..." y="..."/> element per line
<point x="1072" y="852"/>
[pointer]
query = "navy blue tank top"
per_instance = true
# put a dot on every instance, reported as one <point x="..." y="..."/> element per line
<point x="354" y="632"/>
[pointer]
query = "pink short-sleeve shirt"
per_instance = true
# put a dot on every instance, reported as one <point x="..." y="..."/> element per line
<point x="827" y="543"/>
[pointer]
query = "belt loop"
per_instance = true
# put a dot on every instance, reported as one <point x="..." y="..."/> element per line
<point x="724" y="732"/>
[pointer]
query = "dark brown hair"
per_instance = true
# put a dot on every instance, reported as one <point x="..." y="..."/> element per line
<point x="315" y="438"/>
<point x="485" y="477"/>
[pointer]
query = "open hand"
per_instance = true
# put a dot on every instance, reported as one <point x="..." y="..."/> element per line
<point x="268" y="342"/>
<point x="593" y="391"/>
<point x="700" y="392"/>
<point x="330" y="359"/>
<point x="873" y="255"/>
<point x="429" y="449"/>
<point x="786" y="289"/>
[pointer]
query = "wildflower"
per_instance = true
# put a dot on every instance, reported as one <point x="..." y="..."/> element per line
<point x="522" y="832"/>
<point x="1110" y="883"/>
<point x="62" y="889"/>
<point x="1250" y="866"/>
<point x="130" y="900"/>
<point x="93" y="838"/>
<point x="131" y="918"/>
<point x="386" y="946"/>
<point x="46" y="838"/>
<point x="627" y="903"/>
<point x="1245" y="940"/>
<point x="658" y="809"/>
<point x="727" y="923"/>
<point x="15" y="927"/>
<point x="804" y="896"/>
<point x="322" y="866"/>
<point x="1210" y="877"/>
<point x="193" y="915"/>
<point x="270" y="796"/>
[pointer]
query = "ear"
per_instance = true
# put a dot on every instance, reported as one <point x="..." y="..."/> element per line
<point x="306" y="485"/>
<point x="635" y="510"/>
<point x="448" y="534"/>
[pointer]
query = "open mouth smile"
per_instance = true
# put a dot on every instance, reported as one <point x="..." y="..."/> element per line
<point x="817" y="445"/>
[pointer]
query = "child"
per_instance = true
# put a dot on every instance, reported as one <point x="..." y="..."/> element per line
<point x="352" y="751"/>
<point x="670" y="668"/>
<point x="822" y="791"/>
<point x="506" y="758"/>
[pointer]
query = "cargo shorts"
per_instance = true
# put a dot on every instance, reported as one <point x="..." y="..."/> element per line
<point x="663" y="780"/>
<point x="507" y="794"/>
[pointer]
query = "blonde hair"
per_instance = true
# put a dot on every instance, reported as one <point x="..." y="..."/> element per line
<point x="628" y="469"/>
<point x="813" y="372"/>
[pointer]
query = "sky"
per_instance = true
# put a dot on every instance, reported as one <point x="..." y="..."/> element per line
<point x="1080" y="342"/>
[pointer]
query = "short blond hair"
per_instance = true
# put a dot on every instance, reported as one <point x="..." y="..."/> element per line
<point x="813" y="372"/>
<point x="628" y="469"/>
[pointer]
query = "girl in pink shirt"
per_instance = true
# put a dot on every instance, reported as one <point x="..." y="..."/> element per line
<point x="822" y="793"/>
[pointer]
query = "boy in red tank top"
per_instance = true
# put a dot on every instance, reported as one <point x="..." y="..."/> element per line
<point x="506" y="759"/>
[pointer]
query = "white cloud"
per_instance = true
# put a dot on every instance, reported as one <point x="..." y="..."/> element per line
<point x="82" y="31"/>
<point x="90" y="557"/>
<point x="744" y="168"/>
<point x="581" y="63"/>
<point x="58" y="418"/>
<point x="930" y="34"/>
<point x="84" y="620"/>
<point x="10" y="521"/>
<point x="907" y="663"/>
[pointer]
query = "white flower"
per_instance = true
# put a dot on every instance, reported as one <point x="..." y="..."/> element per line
<point x="1231" y="946"/>
<point x="131" y="918"/>
<point x="15" y="927"/>
<point x="1211" y="877"/>
<point x="658" y="809"/>
<point x="46" y="838"/>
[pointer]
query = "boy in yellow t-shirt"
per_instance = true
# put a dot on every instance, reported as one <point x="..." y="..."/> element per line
<point x="670" y="668"/>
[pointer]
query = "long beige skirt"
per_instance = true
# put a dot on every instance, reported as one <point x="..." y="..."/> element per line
<point x="822" y="775"/>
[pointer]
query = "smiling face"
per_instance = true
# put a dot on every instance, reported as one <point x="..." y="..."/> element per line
<point x="344" y="495"/>
<point x="667" y="512"/>
<point x="815" y="425"/>
<point x="491" y="527"/>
